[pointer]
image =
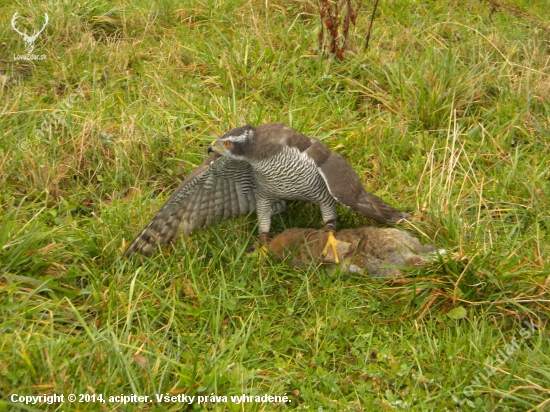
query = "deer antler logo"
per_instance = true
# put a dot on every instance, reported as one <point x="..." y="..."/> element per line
<point x="29" y="39"/>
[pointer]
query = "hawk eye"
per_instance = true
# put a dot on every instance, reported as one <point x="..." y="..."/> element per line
<point x="227" y="144"/>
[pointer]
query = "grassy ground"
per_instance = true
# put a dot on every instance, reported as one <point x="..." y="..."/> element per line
<point x="447" y="116"/>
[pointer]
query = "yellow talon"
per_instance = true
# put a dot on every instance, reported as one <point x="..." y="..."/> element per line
<point x="332" y="242"/>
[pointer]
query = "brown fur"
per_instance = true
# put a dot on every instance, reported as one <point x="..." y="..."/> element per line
<point x="365" y="249"/>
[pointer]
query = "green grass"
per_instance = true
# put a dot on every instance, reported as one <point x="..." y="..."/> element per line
<point x="447" y="116"/>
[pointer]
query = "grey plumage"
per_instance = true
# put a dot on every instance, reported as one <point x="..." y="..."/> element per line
<point x="259" y="168"/>
<point x="220" y="188"/>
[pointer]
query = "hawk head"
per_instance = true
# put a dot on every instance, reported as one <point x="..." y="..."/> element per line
<point x="235" y="143"/>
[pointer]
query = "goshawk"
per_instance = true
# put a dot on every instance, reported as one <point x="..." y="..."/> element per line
<point x="259" y="168"/>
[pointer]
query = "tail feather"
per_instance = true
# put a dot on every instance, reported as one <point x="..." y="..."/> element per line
<point x="375" y="208"/>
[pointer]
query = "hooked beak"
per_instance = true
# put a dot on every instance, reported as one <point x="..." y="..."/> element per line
<point x="216" y="147"/>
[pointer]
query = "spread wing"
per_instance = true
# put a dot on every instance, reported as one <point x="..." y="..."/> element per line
<point x="220" y="188"/>
<point x="346" y="187"/>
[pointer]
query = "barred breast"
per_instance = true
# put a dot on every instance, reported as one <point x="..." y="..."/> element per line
<point x="290" y="175"/>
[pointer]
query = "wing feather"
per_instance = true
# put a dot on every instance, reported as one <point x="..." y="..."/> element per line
<point x="345" y="186"/>
<point x="219" y="200"/>
<point x="211" y="215"/>
<point x="241" y="198"/>
<point x="226" y="203"/>
<point x="207" y="195"/>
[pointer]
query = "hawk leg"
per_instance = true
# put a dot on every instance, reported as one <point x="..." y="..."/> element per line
<point x="332" y="242"/>
<point x="264" y="239"/>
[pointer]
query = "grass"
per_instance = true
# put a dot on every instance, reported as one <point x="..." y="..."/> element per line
<point x="447" y="116"/>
